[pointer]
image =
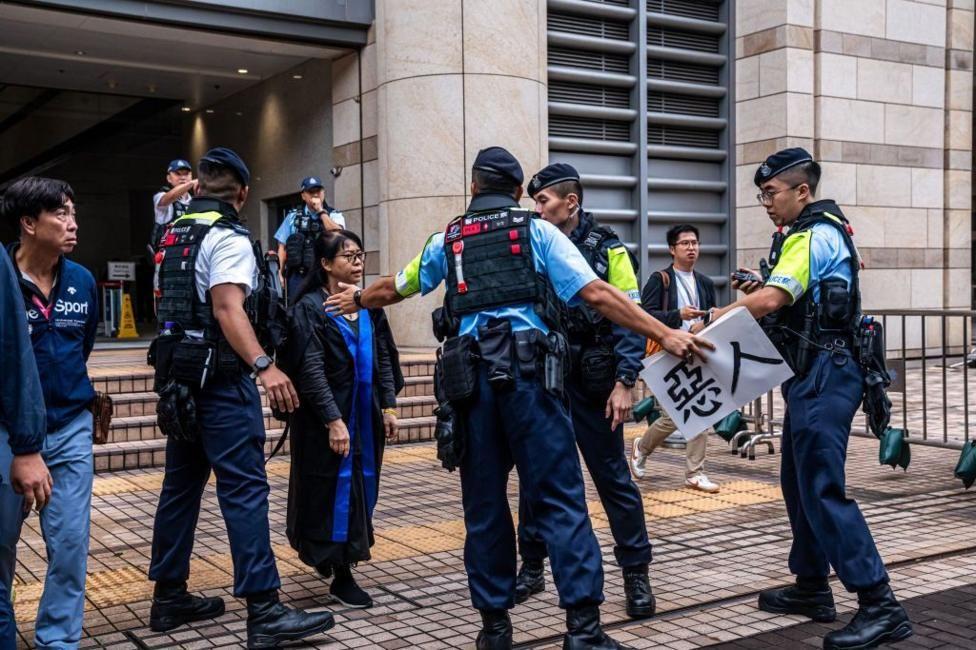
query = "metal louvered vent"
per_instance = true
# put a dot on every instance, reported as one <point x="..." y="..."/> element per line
<point x="689" y="72"/>
<point x="700" y="9"/>
<point x="619" y="3"/>
<point x="580" y="127"/>
<point x="560" y="91"/>
<point x="678" y="137"/>
<point x="590" y="60"/>
<point x="683" y="104"/>
<point x="588" y="26"/>
<point x="682" y="40"/>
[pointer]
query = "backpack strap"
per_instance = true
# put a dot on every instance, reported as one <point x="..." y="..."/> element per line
<point x="665" y="297"/>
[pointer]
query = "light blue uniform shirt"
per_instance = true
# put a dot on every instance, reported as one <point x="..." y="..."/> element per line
<point x="554" y="255"/>
<point x="808" y="257"/>
<point x="287" y="227"/>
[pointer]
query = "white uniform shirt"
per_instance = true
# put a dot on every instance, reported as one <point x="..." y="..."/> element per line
<point x="164" y="213"/>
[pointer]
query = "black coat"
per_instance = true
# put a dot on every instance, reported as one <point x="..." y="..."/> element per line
<point x="322" y="369"/>
<point x="653" y="298"/>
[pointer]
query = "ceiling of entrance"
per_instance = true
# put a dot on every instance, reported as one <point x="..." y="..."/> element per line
<point x="61" y="50"/>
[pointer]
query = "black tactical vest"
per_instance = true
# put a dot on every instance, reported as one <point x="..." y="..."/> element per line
<point x="178" y="301"/>
<point x="300" y="245"/>
<point x="490" y="264"/>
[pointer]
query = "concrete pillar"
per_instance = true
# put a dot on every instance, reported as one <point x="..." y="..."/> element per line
<point x="453" y="76"/>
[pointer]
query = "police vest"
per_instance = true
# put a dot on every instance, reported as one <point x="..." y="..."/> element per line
<point x="179" y="208"/>
<point x="837" y="314"/>
<point x="490" y="264"/>
<point x="178" y="301"/>
<point x="300" y="245"/>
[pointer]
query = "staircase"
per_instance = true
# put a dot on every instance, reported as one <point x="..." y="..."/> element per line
<point x="136" y="442"/>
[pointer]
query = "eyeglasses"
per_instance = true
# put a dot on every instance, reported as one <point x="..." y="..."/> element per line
<point x="687" y="243"/>
<point x="353" y="258"/>
<point x="765" y="198"/>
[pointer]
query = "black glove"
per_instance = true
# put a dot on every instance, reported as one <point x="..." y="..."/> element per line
<point x="877" y="406"/>
<point x="176" y="413"/>
<point x="444" y="434"/>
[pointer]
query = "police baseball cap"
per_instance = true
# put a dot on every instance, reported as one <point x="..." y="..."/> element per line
<point x="228" y="158"/>
<point x="178" y="164"/>
<point x="780" y="161"/>
<point x="553" y="174"/>
<point x="311" y="183"/>
<point x="500" y="161"/>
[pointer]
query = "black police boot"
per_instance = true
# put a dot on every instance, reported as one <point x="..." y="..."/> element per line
<point x="173" y="606"/>
<point x="346" y="591"/>
<point x="496" y="630"/>
<point x="583" y="631"/>
<point x="810" y="597"/>
<point x="879" y="619"/>
<point x="269" y="623"/>
<point x="531" y="579"/>
<point x="637" y="587"/>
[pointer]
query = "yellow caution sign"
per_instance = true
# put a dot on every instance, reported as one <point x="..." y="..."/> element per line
<point x="127" y="329"/>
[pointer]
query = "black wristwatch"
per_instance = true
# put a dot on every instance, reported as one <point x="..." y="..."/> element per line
<point x="626" y="381"/>
<point x="357" y="297"/>
<point x="261" y="364"/>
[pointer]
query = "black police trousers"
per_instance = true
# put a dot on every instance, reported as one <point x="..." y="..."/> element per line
<point x="605" y="458"/>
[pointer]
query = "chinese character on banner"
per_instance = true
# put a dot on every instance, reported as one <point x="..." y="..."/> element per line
<point x="743" y="366"/>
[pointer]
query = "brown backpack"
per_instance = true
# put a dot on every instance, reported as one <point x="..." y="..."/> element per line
<point x="652" y="346"/>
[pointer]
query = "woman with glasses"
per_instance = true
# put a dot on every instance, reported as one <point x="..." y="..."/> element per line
<point x="346" y="370"/>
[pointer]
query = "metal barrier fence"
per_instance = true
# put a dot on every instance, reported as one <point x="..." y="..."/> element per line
<point x="929" y="352"/>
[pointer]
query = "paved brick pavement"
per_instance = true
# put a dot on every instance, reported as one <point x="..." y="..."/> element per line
<point x="712" y="553"/>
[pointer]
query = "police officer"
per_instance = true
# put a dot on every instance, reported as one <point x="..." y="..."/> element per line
<point x="814" y="297"/>
<point x="297" y="233"/>
<point x="605" y="361"/>
<point x="206" y="361"/>
<point x="505" y="273"/>
<point x="172" y="199"/>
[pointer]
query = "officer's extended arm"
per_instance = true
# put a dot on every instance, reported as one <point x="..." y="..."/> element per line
<point x="612" y="303"/>
<point x="175" y="193"/>
<point x="379" y="294"/>
<point x="759" y="303"/>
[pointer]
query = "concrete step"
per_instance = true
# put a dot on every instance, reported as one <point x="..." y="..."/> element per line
<point x="138" y="453"/>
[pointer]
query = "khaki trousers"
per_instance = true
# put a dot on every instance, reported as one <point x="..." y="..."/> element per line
<point x="694" y="452"/>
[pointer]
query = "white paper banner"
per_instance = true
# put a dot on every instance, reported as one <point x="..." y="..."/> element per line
<point x="743" y="366"/>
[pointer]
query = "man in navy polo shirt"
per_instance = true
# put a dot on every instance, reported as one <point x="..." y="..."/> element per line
<point x="62" y="315"/>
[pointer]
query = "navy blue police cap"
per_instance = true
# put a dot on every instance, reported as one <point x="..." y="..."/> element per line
<point x="780" y="161"/>
<point x="500" y="161"/>
<point x="311" y="183"/>
<point x="226" y="157"/>
<point x="178" y="164"/>
<point x="553" y="174"/>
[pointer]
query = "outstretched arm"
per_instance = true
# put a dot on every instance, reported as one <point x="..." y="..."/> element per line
<point x="379" y="294"/>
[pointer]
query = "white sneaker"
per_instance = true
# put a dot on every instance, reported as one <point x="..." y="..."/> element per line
<point x="638" y="459"/>
<point x="701" y="482"/>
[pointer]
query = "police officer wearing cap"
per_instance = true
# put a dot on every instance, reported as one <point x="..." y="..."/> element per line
<point x="206" y="360"/>
<point x="812" y="294"/>
<point x="172" y="199"/>
<point x="605" y="361"/>
<point x="506" y="271"/>
<point x="297" y="233"/>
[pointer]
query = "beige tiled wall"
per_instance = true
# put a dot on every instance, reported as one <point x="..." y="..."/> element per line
<point x="881" y="92"/>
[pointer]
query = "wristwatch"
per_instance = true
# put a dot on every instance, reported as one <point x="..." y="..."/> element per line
<point x="261" y="364"/>
<point x="357" y="297"/>
<point x="626" y="381"/>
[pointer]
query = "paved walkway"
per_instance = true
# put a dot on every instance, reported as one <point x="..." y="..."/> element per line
<point x="712" y="554"/>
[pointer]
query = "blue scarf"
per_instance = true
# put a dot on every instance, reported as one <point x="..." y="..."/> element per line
<point x="360" y="424"/>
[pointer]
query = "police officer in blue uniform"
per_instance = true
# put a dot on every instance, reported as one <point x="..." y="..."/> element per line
<point x="206" y="360"/>
<point x="813" y="296"/>
<point x="501" y="368"/>
<point x="296" y="234"/>
<point x="605" y="361"/>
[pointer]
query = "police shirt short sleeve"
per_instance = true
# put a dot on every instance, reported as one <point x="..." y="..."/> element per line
<point x="163" y="212"/>
<point x="621" y="274"/>
<point x="558" y="258"/>
<point x="426" y="271"/>
<point x="231" y="261"/>
<point x="338" y="218"/>
<point x="792" y="272"/>
<point x="286" y="229"/>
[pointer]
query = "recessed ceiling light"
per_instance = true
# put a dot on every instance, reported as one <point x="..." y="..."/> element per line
<point x="242" y="71"/>
<point x="80" y="52"/>
<point x="209" y="111"/>
<point x="185" y="109"/>
<point x="296" y="76"/>
<point x="239" y="114"/>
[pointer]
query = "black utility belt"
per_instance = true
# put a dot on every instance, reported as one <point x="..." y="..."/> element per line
<point x="190" y="361"/>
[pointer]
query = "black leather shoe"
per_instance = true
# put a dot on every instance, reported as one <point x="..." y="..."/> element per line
<point x="879" y="619"/>
<point x="810" y="598"/>
<point x="583" y="631"/>
<point x="270" y="623"/>
<point x="496" y="630"/>
<point x="173" y="606"/>
<point x="637" y="587"/>
<point x="346" y="591"/>
<point x="531" y="580"/>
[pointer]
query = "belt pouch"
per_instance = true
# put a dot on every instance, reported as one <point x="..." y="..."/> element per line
<point x="193" y="362"/>
<point x="458" y="359"/>
<point x="555" y="366"/>
<point x="598" y="368"/>
<point x="160" y="357"/>
<point x="228" y="363"/>
<point x="528" y="353"/>
<point x="495" y="345"/>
